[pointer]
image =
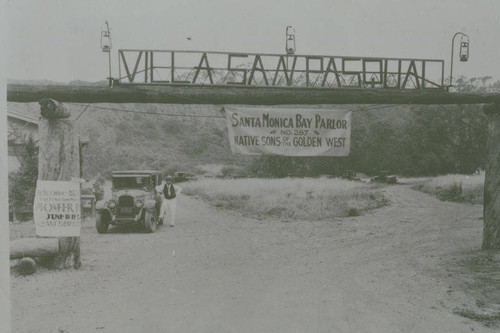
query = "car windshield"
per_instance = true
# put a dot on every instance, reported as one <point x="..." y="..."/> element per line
<point x="120" y="182"/>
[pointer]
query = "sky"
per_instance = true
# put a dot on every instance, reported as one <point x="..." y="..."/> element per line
<point x="60" y="40"/>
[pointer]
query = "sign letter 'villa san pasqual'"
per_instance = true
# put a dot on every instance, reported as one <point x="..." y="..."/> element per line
<point x="289" y="132"/>
<point x="57" y="211"/>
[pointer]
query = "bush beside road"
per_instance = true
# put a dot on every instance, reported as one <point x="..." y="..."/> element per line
<point x="291" y="198"/>
<point x="457" y="188"/>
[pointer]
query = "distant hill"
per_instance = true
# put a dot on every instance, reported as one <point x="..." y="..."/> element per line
<point x="178" y="137"/>
<point x="41" y="82"/>
<point x="411" y="140"/>
<point x="50" y="82"/>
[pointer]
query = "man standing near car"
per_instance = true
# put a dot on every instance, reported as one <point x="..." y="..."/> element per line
<point x="169" y="203"/>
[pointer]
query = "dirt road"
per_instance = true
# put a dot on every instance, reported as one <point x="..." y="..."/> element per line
<point x="216" y="271"/>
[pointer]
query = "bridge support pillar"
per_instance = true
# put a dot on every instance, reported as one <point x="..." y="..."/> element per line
<point x="491" y="227"/>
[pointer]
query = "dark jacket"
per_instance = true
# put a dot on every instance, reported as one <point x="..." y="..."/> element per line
<point x="172" y="191"/>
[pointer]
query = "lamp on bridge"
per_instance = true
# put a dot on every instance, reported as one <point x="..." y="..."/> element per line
<point x="106" y="46"/>
<point x="290" y="40"/>
<point x="464" y="49"/>
<point x="106" y="39"/>
<point x="464" y="52"/>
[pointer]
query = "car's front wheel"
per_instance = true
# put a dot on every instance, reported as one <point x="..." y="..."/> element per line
<point x="150" y="222"/>
<point x="102" y="222"/>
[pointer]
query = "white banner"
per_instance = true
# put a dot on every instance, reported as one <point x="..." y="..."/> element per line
<point x="289" y="132"/>
<point x="57" y="211"/>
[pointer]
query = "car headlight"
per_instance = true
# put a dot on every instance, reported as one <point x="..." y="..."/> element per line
<point x="111" y="204"/>
<point x="139" y="204"/>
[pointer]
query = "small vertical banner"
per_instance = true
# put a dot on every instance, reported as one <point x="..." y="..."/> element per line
<point x="289" y="132"/>
<point x="57" y="211"/>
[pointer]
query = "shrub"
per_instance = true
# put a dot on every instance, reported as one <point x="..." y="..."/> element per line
<point x="457" y="188"/>
<point x="297" y="199"/>
<point x="22" y="183"/>
<point x="352" y="212"/>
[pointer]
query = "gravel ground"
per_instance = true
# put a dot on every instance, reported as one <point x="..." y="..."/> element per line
<point x="401" y="268"/>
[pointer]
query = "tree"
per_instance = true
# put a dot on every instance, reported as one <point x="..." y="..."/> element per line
<point x="22" y="183"/>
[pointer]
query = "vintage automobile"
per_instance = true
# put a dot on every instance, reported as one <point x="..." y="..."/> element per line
<point x="134" y="200"/>
<point x="183" y="176"/>
<point x="384" y="177"/>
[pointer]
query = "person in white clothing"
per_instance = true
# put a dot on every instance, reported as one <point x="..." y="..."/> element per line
<point x="169" y="203"/>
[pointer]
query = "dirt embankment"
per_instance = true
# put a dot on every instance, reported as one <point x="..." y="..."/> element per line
<point x="403" y="268"/>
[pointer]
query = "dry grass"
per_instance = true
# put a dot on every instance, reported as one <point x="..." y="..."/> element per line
<point x="458" y="188"/>
<point x="289" y="199"/>
<point x="480" y="279"/>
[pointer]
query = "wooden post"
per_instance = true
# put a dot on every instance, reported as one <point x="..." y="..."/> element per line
<point x="491" y="228"/>
<point x="59" y="159"/>
<point x="247" y="95"/>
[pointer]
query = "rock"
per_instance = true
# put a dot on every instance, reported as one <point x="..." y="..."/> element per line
<point x="26" y="266"/>
<point x="496" y="257"/>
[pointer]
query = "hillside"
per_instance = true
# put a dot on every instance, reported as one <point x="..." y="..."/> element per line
<point x="182" y="137"/>
<point x="402" y="139"/>
<point x="123" y="140"/>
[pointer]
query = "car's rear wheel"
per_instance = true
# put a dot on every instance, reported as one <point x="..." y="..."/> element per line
<point x="150" y="222"/>
<point x="102" y="222"/>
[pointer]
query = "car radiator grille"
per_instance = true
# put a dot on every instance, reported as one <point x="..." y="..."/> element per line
<point x="126" y="206"/>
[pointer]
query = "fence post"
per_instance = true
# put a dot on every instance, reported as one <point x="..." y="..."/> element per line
<point x="59" y="159"/>
<point x="491" y="227"/>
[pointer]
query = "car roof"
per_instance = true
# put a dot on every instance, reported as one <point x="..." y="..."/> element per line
<point x="135" y="172"/>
